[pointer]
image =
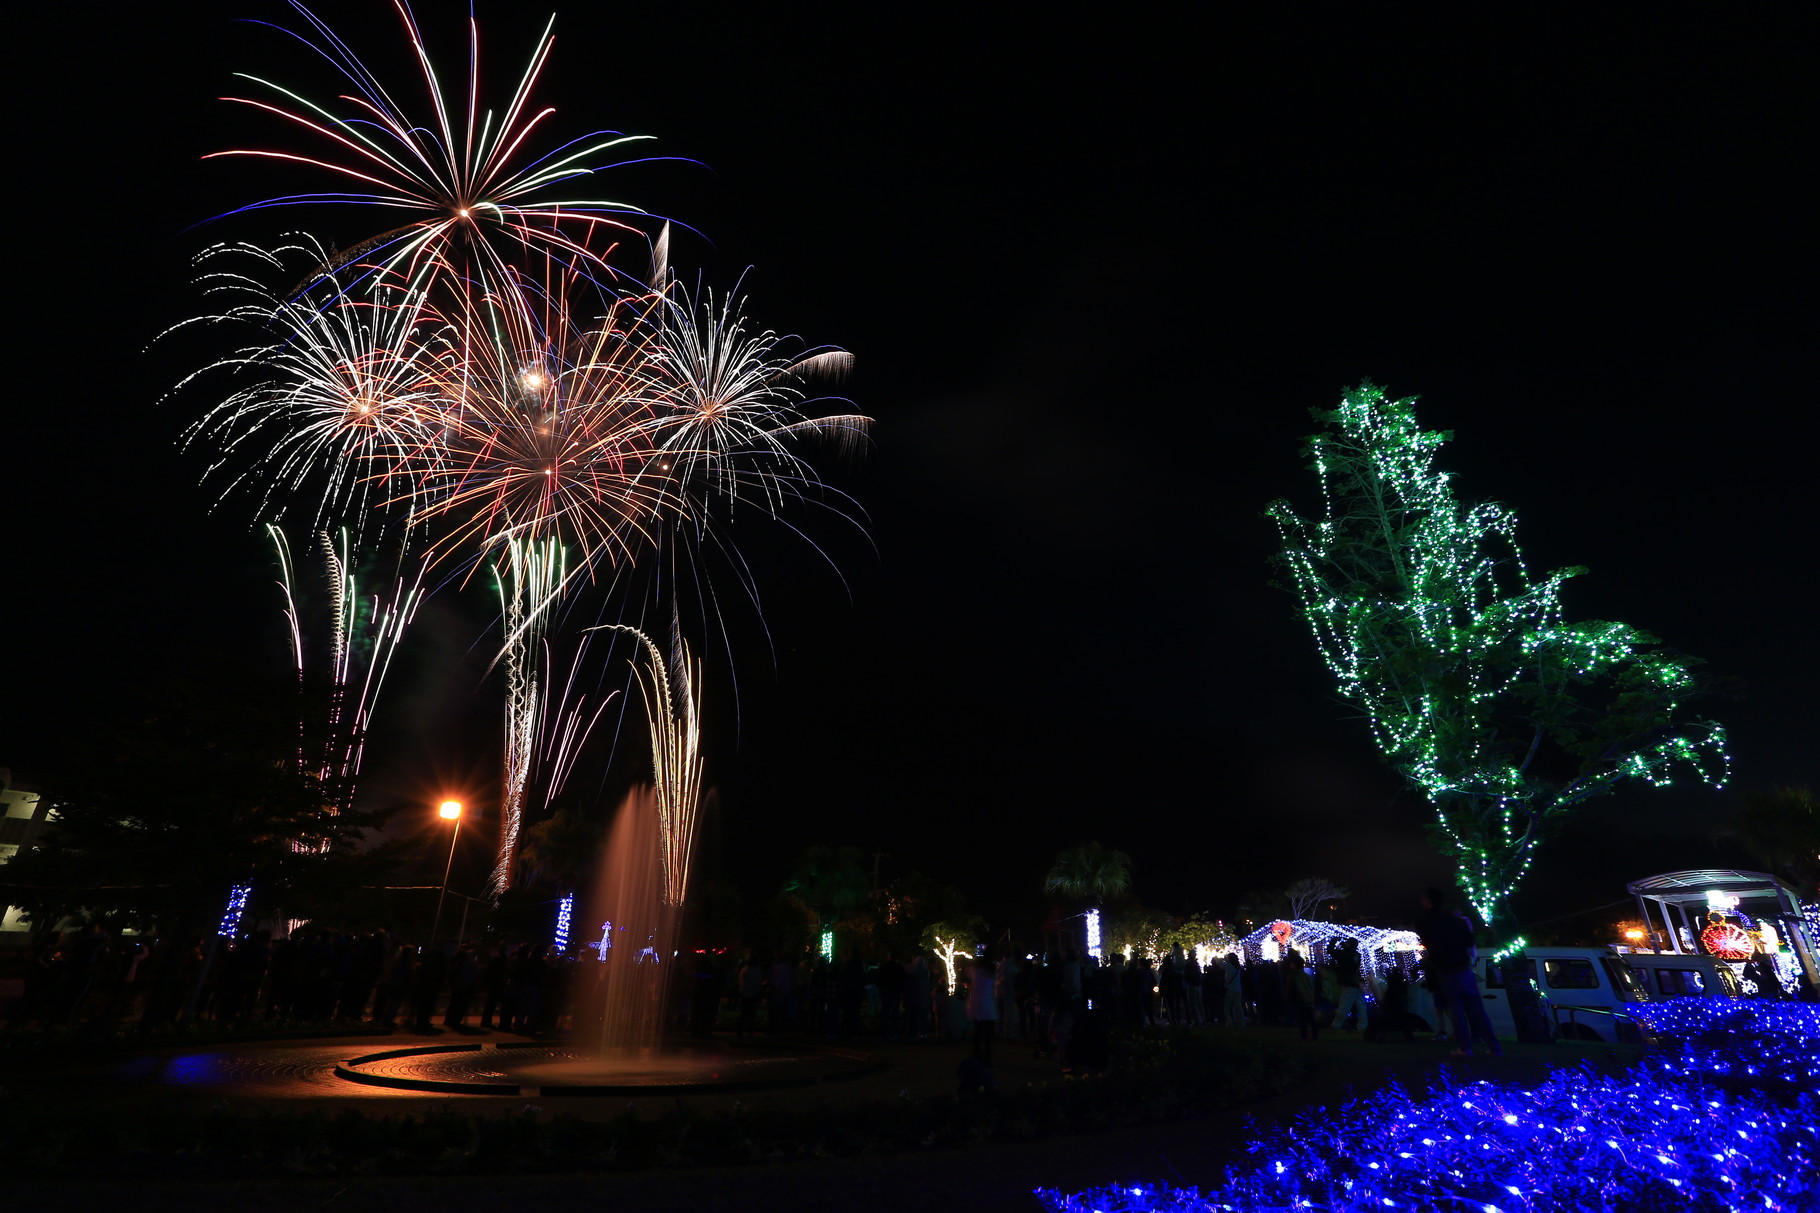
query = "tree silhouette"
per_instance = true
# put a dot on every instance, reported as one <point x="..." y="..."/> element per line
<point x="830" y="880"/>
<point x="1089" y="873"/>
<point x="1781" y="827"/>
<point x="1306" y="895"/>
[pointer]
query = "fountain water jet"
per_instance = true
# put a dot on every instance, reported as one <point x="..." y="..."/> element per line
<point x="645" y="869"/>
<point x="638" y="949"/>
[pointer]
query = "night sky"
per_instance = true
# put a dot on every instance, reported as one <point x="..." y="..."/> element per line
<point x="1095" y="272"/>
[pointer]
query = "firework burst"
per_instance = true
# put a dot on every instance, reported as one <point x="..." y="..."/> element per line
<point x="478" y="385"/>
<point x="464" y="178"/>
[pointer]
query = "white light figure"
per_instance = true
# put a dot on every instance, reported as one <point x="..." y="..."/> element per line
<point x="1093" y="934"/>
<point x="606" y="939"/>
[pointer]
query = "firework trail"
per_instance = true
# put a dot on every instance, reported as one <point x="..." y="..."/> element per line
<point x="673" y="711"/>
<point x="364" y="631"/>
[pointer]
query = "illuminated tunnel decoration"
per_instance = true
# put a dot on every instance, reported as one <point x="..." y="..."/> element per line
<point x="236" y="910"/>
<point x="1663" y="1135"/>
<point x="1379" y="947"/>
<point x="565" y="911"/>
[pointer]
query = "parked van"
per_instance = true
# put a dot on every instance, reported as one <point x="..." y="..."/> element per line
<point x="1667" y="975"/>
<point x="1588" y="993"/>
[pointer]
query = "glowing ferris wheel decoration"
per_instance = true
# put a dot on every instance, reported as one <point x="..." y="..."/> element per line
<point x="1726" y="940"/>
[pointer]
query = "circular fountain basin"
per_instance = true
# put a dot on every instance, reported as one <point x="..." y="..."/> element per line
<point x="556" y="1070"/>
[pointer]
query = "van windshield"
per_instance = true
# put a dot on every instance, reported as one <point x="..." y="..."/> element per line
<point x="1625" y="980"/>
<point x="1570" y="973"/>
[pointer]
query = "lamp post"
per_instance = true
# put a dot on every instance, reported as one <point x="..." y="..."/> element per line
<point x="451" y="811"/>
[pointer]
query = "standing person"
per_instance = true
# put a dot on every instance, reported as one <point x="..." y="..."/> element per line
<point x="1173" y="982"/>
<point x="462" y="984"/>
<point x="1348" y="971"/>
<point x="1391" y="1013"/>
<point x="780" y="997"/>
<point x="751" y="992"/>
<point x="982" y="1007"/>
<point x="1448" y="952"/>
<point x="493" y="978"/>
<point x="1005" y="983"/>
<point x="1299" y="995"/>
<point x="428" y="988"/>
<point x="890" y="982"/>
<point x="1235" y="990"/>
<point x="917" y="988"/>
<point x="1194" y="984"/>
<point x="1025" y="992"/>
<point x="394" y="987"/>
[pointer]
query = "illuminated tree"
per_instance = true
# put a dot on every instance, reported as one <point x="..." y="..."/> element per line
<point x="1090" y="875"/>
<point x="951" y="940"/>
<point x="1474" y="685"/>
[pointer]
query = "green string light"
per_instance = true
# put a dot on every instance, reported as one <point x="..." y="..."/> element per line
<point x="1473" y="684"/>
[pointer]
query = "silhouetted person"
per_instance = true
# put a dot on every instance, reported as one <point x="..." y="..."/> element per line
<point x="1448" y="951"/>
<point x="982" y="1007"/>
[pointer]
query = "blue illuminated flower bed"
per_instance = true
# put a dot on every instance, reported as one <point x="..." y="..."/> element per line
<point x="1724" y="1116"/>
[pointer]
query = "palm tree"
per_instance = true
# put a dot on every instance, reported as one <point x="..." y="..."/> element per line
<point x="1781" y="828"/>
<point x="1089" y="873"/>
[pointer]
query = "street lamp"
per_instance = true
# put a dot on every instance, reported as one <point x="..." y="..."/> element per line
<point x="451" y="811"/>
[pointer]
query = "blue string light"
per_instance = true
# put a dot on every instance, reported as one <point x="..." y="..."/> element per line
<point x="1725" y="1114"/>
<point x="236" y="909"/>
<point x="565" y="909"/>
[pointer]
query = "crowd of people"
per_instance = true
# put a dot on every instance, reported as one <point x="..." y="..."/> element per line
<point x="1062" y="1004"/>
<point x="390" y="983"/>
<point x="316" y="976"/>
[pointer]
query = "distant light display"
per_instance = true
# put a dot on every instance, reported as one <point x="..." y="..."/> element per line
<point x="565" y="910"/>
<point x="827" y="944"/>
<point x="1093" y="934"/>
<point x="1379" y="947"/>
<point x="236" y="909"/>
<point x="1427" y="617"/>
<point x="1663" y="1135"/>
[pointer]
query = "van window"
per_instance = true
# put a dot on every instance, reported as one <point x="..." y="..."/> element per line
<point x="1494" y="974"/>
<point x="1626" y="980"/>
<point x="1570" y="973"/>
<point x="1680" y="982"/>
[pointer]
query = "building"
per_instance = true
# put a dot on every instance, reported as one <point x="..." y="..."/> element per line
<point x="24" y="814"/>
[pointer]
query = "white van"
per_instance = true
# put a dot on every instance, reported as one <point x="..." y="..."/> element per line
<point x="1589" y="994"/>
<point x="1667" y="975"/>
